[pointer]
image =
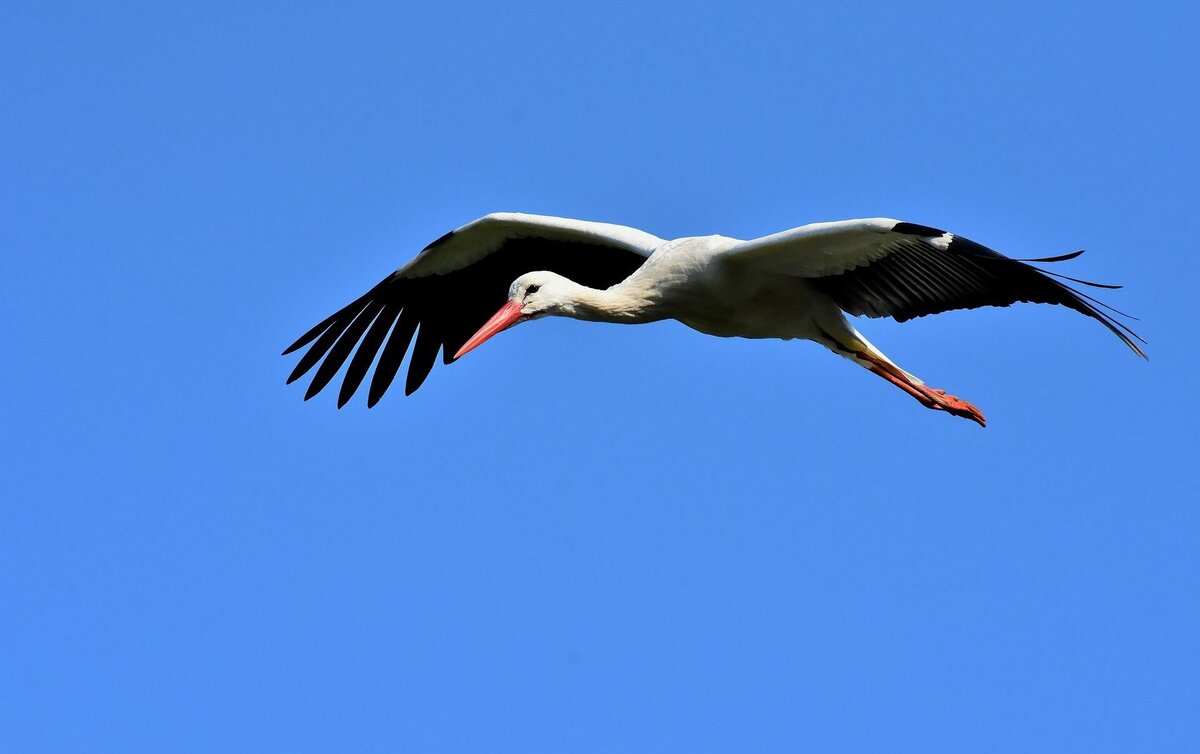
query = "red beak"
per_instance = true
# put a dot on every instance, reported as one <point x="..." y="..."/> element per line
<point x="508" y="316"/>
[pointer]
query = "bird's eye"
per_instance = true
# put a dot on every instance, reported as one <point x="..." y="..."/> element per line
<point x="532" y="289"/>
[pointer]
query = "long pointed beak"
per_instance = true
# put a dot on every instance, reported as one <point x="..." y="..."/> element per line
<point x="508" y="316"/>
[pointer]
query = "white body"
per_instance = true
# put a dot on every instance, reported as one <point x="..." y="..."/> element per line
<point x="703" y="284"/>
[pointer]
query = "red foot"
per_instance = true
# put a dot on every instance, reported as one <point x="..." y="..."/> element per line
<point x="941" y="401"/>
<point x="929" y="397"/>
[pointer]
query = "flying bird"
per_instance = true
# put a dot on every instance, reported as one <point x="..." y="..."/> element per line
<point x="508" y="268"/>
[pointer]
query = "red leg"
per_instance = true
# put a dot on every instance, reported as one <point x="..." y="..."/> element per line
<point x="929" y="397"/>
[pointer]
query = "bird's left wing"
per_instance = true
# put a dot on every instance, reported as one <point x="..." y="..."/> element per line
<point x="881" y="267"/>
<point x="451" y="288"/>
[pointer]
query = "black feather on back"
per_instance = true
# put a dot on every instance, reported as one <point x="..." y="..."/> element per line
<point x="915" y="278"/>
<point x="442" y="310"/>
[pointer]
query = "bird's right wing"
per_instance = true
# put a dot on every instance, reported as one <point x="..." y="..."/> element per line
<point x="881" y="267"/>
<point x="451" y="288"/>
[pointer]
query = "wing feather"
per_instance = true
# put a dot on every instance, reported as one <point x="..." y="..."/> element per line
<point x="342" y="349"/>
<point x="451" y="288"/>
<point x="879" y="267"/>
<point x="393" y="356"/>
<point x="361" y="363"/>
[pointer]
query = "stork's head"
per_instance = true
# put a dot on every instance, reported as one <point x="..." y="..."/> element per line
<point x="533" y="295"/>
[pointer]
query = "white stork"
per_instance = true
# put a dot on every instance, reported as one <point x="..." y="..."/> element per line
<point x="796" y="284"/>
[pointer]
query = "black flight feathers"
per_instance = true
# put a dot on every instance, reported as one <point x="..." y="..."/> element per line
<point x="441" y="310"/>
<point x="917" y="277"/>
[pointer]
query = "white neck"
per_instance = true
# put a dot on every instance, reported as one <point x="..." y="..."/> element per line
<point x="623" y="303"/>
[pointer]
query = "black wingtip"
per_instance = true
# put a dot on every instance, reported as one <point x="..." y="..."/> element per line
<point x="1136" y="348"/>
<point x="1066" y="258"/>
<point x="318" y="329"/>
<point x="1080" y="302"/>
<point x="307" y="337"/>
<point x="313" y="389"/>
<point x="1086" y="304"/>
<point x="1089" y="283"/>
<point x="300" y="342"/>
<point x="1059" y="258"/>
<point x="300" y="370"/>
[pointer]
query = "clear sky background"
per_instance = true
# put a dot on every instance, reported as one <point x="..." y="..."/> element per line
<point x="589" y="537"/>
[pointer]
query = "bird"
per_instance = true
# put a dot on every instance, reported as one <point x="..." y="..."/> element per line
<point x="507" y="268"/>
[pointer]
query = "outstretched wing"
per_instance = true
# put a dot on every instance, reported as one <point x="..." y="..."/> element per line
<point x="449" y="290"/>
<point x="881" y="267"/>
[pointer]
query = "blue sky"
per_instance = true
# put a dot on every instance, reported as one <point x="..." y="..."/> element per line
<point x="588" y="537"/>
